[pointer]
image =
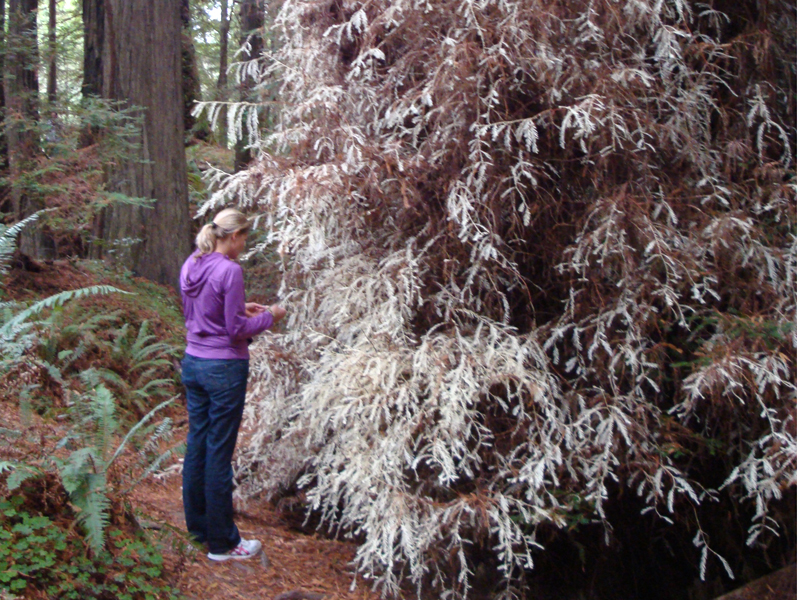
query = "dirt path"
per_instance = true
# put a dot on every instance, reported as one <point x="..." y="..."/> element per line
<point x="303" y="566"/>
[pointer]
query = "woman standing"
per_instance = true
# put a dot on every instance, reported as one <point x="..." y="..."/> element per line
<point x="219" y="327"/>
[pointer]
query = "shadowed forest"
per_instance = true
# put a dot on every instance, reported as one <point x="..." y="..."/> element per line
<point x="539" y="259"/>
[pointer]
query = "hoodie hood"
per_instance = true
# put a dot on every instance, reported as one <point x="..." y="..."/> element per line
<point x="196" y="270"/>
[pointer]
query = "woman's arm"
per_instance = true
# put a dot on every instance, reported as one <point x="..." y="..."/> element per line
<point x="237" y="322"/>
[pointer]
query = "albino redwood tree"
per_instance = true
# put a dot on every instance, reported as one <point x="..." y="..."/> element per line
<point x="540" y="257"/>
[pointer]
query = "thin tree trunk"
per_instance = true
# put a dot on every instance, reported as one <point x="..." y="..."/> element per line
<point x="224" y="28"/>
<point x="3" y="146"/>
<point x="22" y="102"/>
<point x="51" y="53"/>
<point x="191" y="77"/>
<point x="142" y="67"/>
<point x="253" y="14"/>
<point x="221" y="126"/>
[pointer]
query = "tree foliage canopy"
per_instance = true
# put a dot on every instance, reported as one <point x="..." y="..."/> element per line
<point x="535" y="251"/>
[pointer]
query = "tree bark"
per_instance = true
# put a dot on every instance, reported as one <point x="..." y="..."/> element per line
<point x="253" y="13"/>
<point x="93" y="44"/>
<point x="3" y="146"/>
<point x="21" y="95"/>
<point x="224" y="28"/>
<point x="51" y="53"/>
<point x="191" y="77"/>
<point x="221" y="126"/>
<point x="142" y="67"/>
<point x="93" y="16"/>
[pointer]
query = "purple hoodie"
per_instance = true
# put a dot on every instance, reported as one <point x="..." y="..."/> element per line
<point x="212" y="287"/>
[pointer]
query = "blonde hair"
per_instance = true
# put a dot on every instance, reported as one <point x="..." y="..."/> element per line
<point x="226" y="222"/>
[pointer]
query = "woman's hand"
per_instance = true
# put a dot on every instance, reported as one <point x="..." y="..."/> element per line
<point x="251" y="309"/>
<point x="278" y="312"/>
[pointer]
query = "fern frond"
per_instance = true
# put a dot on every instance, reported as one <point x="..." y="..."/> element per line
<point x="141" y="423"/>
<point x="143" y="338"/>
<point x="154" y="387"/>
<point x="58" y="300"/>
<point x="8" y="239"/>
<point x="20" y="472"/>
<point x="94" y="377"/>
<point x="93" y="505"/>
<point x="156" y="464"/>
<point x="103" y="410"/>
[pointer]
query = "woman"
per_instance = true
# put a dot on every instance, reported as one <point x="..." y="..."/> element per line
<point x="219" y="327"/>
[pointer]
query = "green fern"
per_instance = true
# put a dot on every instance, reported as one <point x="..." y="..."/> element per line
<point x="19" y="473"/>
<point x="8" y="239"/>
<point x="58" y="300"/>
<point x="84" y="473"/>
<point x="146" y="360"/>
<point x="96" y="376"/>
<point x="104" y="410"/>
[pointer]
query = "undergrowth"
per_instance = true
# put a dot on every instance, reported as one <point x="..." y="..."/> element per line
<point x="42" y="557"/>
<point x="100" y="362"/>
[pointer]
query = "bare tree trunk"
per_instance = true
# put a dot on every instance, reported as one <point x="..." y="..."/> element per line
<point x="51" y="52"/>
<point x="222" y="79"/>
<point x="22" y="103"/>
<point x="224" y="28"/>
<point x="253" y="13"/>
<point x="94" y="39"/>
<point x="142" y="66"/>
<point x="191" y="77"/>
<point x="3" y="146"/>
<point x="93" y="42"/>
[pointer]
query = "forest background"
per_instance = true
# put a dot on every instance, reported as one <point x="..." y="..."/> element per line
<point x="540" y="260"/>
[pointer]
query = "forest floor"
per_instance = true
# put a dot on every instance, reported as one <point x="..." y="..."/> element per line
<point x="303" y="566"/>
<point x="295" y="564"/>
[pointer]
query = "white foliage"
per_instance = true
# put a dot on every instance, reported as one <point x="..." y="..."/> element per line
<point x="424" y="440"/>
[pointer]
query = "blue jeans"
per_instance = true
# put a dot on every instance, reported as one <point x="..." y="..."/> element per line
<point x="215" y="391"/>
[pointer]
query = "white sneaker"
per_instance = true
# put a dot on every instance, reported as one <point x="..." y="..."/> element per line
<point x="246" y="549"/>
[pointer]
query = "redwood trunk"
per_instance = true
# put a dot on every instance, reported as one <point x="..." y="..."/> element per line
<point x="221" y="126"/>
<point x="51" y="53"/>
<point x="191" y="77"/>
<point x="142" y="67"/>
<point x="21" y="96"/>
<point x="93" y="14"/>
<point x="93" y="41"/>
<point x="224" y="28"/>
<point x="3" y="147"/>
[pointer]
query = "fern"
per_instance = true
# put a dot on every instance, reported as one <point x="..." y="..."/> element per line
<point x="84" y="478"/>
<point x="8" y="239"/>
<point x="54" y="301"/>
<point x="19" y="473"/>
<point x="85" y="473"/>
<point x="143" y="421"/>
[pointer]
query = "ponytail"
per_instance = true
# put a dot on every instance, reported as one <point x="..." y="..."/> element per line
<point x="226" y="222"/>
<point x="206" y="240"/>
